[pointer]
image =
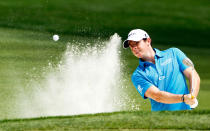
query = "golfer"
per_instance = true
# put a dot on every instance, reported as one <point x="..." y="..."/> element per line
<point x="160" y="75"/>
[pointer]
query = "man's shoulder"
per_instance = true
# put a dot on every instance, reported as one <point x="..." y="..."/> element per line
<point x="137" y="72"/>
<point x="172" y="49"/>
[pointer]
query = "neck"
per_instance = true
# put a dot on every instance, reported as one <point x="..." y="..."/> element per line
<point x="150" y="56"/>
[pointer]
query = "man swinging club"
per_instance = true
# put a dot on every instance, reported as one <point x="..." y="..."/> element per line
<point x="160" y="75"/>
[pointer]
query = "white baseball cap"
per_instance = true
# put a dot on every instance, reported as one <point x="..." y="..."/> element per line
<point x="135" y="35"/>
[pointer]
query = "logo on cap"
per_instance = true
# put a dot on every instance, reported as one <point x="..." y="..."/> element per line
<point x="131" y="34"/>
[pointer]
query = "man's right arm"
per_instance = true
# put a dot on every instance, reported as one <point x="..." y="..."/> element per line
<point x="166" y="97"/>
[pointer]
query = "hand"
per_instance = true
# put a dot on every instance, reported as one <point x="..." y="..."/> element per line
<point x="188" y="99"/>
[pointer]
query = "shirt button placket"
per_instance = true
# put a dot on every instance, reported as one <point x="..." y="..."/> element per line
<point x="160" y="74"/>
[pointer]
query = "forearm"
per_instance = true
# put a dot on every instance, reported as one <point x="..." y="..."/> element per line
<point x="163" y="96"/>
<point x="168" y="98"/>
<point x="194" y="81"/>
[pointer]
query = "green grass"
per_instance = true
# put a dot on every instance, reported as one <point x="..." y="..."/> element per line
<point x="187" y="120"/>
<point x="26" y="49"/>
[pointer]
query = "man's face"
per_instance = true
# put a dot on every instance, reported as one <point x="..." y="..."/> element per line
<point x="139" y="48"/>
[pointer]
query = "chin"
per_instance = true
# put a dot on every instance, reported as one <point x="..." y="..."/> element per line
<point x="138" y="56"/>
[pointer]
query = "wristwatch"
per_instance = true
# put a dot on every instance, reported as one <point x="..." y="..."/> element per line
<point x="182" y="98"/>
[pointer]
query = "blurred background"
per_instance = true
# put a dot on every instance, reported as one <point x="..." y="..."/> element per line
<point x="27" y="26"/>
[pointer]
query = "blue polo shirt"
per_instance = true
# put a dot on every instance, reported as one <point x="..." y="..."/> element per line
<point x="166" y="74"/>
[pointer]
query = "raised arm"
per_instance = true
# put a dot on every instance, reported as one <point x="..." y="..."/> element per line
<point x="194" y="80"/>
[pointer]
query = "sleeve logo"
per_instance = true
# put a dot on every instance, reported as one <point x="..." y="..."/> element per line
<point x="188" y="62"/>
<point x="140" y="89"/>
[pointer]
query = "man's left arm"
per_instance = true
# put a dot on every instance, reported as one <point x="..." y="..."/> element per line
<point x="187" y="67"/>
<point x="194" y="80"/>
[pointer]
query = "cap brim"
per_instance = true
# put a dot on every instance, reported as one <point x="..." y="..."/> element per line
<point x="125" y="44"/>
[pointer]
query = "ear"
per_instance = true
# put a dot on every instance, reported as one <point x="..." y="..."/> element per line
<point x="149" y="40"/>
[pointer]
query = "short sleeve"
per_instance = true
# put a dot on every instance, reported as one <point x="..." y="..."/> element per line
<point x="182" y="59"/>
<point x="141" y="84"/>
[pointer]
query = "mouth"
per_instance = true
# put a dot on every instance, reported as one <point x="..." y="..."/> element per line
<point x="137" y="54"/>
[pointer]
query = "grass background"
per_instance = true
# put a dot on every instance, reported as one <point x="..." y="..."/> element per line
<point x="196" y="120"/>
<point x="26" y="28"/>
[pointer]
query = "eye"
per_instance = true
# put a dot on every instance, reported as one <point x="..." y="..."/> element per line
<point x="134" y="44"/>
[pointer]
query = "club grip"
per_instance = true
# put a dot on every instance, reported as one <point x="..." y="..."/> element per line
<point x="192" y="96"/>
